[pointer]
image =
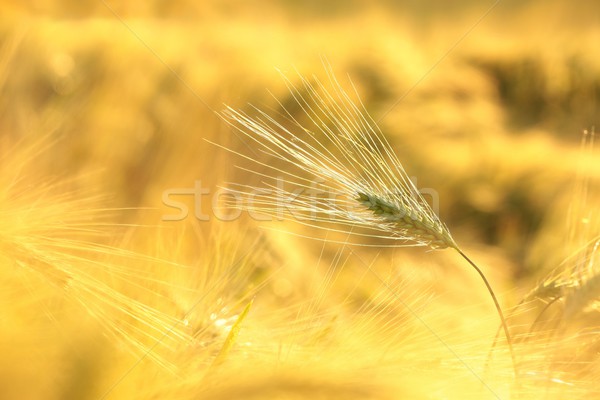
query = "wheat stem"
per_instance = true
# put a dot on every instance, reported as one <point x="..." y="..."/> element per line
<point x="498" y="308"/>
<point x="433" y="234"/>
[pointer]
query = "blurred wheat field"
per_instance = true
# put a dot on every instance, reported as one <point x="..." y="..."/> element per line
<point x="105" y="107"/>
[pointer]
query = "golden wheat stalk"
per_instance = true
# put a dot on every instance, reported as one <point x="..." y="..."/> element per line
<point x="342" y="173"/>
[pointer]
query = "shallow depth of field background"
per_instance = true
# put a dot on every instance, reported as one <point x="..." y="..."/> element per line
<point x="105" y="105"/>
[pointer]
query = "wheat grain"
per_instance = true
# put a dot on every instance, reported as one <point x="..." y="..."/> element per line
<point x="422" y="229"/>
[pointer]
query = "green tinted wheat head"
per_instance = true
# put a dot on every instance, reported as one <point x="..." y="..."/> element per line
<point x="353" y="179"/>
<point x="333" y="169"/>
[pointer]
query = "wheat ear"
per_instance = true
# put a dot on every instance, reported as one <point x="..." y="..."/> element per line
<point x="436" y="237"/>
<point x="333" y="146"/>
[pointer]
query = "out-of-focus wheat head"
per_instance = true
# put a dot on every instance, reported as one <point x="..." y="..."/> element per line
<point x="54" y="233"/>
<point x="561" y="335"/>
<point x="170" y="297"/>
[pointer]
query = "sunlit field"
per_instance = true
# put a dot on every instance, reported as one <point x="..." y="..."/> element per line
<point x="155" y="246"/>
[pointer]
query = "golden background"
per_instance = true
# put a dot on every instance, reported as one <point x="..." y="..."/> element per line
<point x="105" y="105"/>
